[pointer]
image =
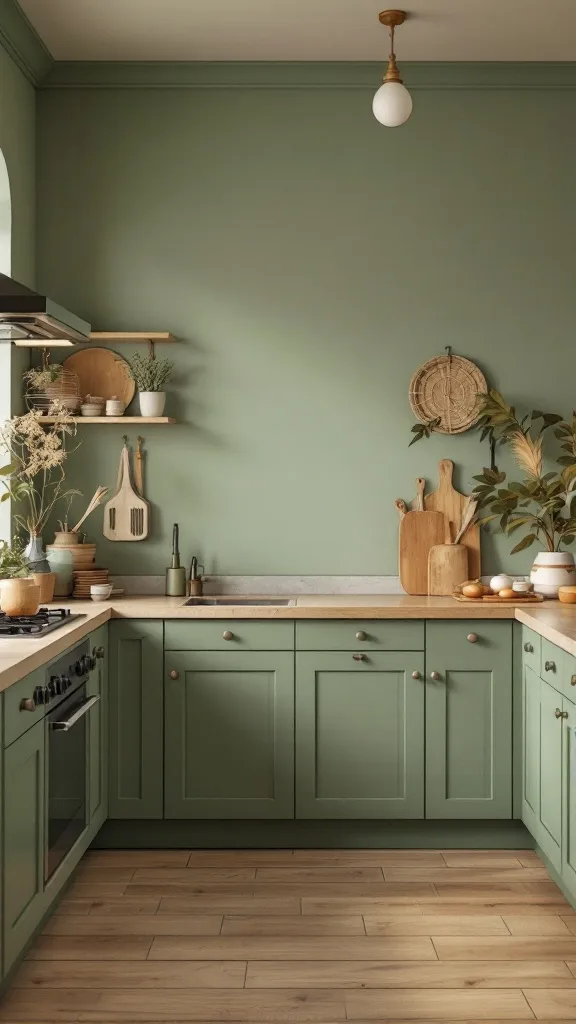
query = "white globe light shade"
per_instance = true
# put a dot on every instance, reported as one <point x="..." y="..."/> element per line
<point x="392" y="104"/>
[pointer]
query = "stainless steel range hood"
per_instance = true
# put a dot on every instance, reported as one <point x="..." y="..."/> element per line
<point x="28" y="319"/>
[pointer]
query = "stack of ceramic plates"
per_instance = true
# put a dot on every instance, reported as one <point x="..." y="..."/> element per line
<point x="84" y="578"/>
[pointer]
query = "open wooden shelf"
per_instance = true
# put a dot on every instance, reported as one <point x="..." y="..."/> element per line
<point x="134" y="336"/>
<point x="114" y="419"/>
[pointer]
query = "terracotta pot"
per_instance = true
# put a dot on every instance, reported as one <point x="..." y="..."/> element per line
<point x="46" y="581"/>
<point x="552" y="570"/>
<point x="20" y="596"/>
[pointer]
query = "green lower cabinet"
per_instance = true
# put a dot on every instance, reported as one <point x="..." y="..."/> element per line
<point x="136" y="732"/>
<point x="360" y="735"/>
<point x="549" y="824"/>
<point x="468" y="719"/>
<point x="23" y="840"/>
<point x="569" y="796"/>
<point x="531" y="749"/>
<point x="98" y="733"/>
<point x="229" y="719"/>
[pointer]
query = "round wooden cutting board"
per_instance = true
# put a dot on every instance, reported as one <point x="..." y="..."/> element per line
<point x="102" y="373"/>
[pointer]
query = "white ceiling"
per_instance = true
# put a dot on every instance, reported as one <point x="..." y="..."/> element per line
<point x="303" y="29"/>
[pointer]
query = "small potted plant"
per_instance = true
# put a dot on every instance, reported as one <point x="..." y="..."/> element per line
<point x="150" y="376"/>
<point x="19" y="591"/>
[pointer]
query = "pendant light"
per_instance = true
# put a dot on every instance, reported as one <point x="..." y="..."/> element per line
<point x="392" y="104"/>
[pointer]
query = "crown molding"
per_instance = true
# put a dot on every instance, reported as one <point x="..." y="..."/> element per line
<point x="305" y="75"/>
<point x="22" y="43"/>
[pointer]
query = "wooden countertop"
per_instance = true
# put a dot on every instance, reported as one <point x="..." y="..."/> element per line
<point x="18" y="657"/>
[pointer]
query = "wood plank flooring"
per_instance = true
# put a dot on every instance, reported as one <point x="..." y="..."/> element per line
<point x="321" y="936"/>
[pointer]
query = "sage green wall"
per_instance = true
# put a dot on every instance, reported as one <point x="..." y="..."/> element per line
<point x="310" y="260"/>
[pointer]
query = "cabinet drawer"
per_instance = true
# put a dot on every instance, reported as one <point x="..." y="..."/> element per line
<point x="360" y="634"/>
<point x="17" y="721"/>
<point x="469" y="644"/>
<point x="531" y="643"/>
<point x="229" y="634"/>
<point x="551" y="663"/>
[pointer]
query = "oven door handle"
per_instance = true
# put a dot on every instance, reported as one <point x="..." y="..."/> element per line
<point x="78" y="714"/>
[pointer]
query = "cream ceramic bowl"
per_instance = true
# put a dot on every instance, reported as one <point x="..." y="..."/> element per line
<point x="100" y="591"/>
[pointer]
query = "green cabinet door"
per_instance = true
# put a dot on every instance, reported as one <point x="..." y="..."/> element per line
<point x="549" y="824"/>
<point x="569" y="795"/>
<point x="98" y="733"/>
<point x="23" y="840"/>
<point x="229" y="734"/>
<point x="136" y="704"/>
<point x="469" y="719"/>
<point x="531" y="749"/>
<point x="359" y="735"/>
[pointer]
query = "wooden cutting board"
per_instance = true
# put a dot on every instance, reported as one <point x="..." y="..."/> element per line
<point x="451" y="502"/>
<point x="101" y="373"/>
<point x="447" y="568"/>
<point x="419" y="531"/>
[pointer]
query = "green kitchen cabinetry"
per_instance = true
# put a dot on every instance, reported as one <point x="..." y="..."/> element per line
<point x="23" y="840"/>
<point x="136" y="702"/>
<point x="359" y="734"/>
<point x="468" y="719"/>
<point x="98" y="732"/>
<point x="229" y="721"/>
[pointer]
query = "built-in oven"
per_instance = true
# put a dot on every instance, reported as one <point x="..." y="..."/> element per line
<point x="67" y="805"/>
<point x="65" y="698"/>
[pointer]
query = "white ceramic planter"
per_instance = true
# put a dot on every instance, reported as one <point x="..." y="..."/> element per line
<point x="152" y="402"/>
<point x="551" y="570"/>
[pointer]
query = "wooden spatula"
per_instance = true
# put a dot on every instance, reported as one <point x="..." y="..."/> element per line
<point x="126" y="515"/>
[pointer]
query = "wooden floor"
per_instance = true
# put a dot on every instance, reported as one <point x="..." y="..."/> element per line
<point x="309" y="935"/>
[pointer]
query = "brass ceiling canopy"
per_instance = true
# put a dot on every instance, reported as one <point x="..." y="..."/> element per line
<point x="391" y="19"/>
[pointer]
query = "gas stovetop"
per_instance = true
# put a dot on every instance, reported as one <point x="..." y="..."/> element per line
<point x="43" y="622"/>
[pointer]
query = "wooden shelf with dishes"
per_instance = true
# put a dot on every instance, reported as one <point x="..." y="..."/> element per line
<point x="153" y="337"/>
<point x="115" y="419"/>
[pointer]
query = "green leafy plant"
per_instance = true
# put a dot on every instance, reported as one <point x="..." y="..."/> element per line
<point x="421" y="430"/>
<point x="13" y="564"/>
<point x="149" y="373"/>
<point x="544" y="504"/>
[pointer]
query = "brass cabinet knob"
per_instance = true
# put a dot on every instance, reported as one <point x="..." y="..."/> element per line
<point x="358" y="657"/>
<point x="528" y="648"/>
<point x="360" y="635"/>
<point x="416" y="675"/>
<point x="227" y="635"/>
<point x="98" y="652"/>
<point x="560" y="714"/>
<point x="174" y="674"/>
<point x="472" y="638"/>
<point x="572" y="680"/>
<point x="435" y="676"/>
<point x="549" y="666"/>
<point x="28" y="704"/>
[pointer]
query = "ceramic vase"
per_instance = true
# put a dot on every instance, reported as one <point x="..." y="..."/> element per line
<point x="152" y="402"/>
<point x="552" y="570"/>
<point x="61" y="561"/>
<point x="36" y="555"/>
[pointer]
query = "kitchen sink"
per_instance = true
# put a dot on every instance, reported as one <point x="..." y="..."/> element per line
<point x="257" y="601"/>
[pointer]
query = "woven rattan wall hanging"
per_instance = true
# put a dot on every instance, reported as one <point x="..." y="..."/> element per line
<point x="444" y="391"/>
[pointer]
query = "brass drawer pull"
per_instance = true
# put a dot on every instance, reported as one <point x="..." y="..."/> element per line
<point x="227" y="635"/>
<point x="472" y="638"/>
<point x="528" y="648"/>
<point x="358" y="657"/>
<point x="174" y="674"/>
<point x="361" y="635"/>
<point x="416" y="675"/>
<point x="549" y="666"/>
<point x="560" y="714"/>
<point x="572" y="680"/>
<point x="435" y="676"/>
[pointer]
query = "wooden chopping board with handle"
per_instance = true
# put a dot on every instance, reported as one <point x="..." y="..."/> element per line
<point x="451" y="503"/>
<point x="419" y="532"/>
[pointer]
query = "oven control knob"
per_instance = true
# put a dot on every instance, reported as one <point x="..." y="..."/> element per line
<point x="55" y="686"/>
<point x="66" y="683"/>
<point x="78" y="668"/>
<point x="39" y="695"/>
